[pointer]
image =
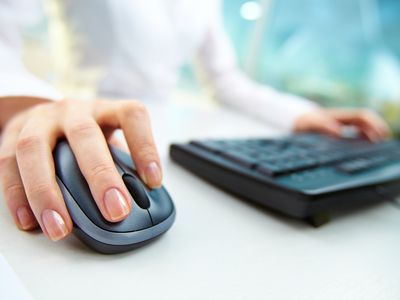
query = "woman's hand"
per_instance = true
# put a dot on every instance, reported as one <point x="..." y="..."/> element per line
<point x="331" y="121"/>
<point x="27" y="174"/>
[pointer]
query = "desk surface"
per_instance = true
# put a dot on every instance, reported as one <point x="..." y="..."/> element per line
<point x="220" y="247"/>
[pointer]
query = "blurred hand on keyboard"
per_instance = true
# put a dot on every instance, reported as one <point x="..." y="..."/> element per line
<point x="331" y="121"/>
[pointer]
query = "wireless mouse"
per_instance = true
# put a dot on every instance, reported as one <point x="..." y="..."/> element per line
<point x="153" y="211"/>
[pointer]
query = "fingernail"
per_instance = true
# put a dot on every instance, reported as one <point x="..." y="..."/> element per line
<point x="116" y="205"/>
<point x="54" y="224"/>
<point x="25" y="218"/>
<point x="152" y="175"/>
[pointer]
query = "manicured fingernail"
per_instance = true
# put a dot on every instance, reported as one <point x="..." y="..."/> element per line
<point x="116" y="205"/>
<point x="25" y="218"/>
<point x="54" y="224"/>
<point x="152" y="174"/>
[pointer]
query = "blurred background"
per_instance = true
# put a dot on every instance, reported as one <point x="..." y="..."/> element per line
<point x="337" y="53"/>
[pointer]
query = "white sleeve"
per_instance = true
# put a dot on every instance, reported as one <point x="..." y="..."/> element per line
<point x="15" y="79"/>
<point x="234" y="88"/>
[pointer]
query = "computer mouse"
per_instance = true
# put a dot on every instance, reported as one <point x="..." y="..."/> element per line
<point x="153" y="211"/>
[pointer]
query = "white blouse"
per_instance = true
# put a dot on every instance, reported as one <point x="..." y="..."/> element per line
<point x="140" y="46"/>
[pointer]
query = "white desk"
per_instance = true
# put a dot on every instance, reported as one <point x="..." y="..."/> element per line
<point x="220" y="247"/>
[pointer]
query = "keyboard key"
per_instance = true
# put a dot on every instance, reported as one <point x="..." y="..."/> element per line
<point x="240" y="158"/>
<point x="274" y="157"/>
<point x="362" y="164"/>
<point x="353" y="166"/>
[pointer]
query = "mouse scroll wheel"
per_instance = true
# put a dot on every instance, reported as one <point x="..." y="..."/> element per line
<point x="137" y="191"/>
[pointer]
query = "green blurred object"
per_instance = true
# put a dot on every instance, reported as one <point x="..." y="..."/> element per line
<point x="338" y="53"/>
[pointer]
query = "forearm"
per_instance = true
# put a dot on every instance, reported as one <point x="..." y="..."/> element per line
<point x="262" y="102"/>
<point x="10" y="106"/>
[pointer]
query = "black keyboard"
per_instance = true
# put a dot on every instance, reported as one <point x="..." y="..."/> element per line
<point x="304" y="175"/>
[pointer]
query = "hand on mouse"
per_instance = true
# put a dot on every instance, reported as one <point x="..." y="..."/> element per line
<point x="330" y="121"/>
<point x="27" y="174"/>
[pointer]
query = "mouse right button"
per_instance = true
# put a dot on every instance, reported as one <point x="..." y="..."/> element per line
<point x="161" y="206"/>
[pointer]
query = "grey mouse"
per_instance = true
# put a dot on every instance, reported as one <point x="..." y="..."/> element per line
<point x="153" y="211"/>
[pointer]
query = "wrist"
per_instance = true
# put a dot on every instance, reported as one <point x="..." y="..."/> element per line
<point x="11" y="106"/>
<point x="308" y="120"/>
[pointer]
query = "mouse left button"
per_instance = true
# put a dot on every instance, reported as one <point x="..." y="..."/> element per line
<point x="80" y="197"/>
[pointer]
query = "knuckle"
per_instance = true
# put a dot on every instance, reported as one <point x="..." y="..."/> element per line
<point x="43" y="191"/>
<point x="66" y="103"/>
<point x="28" y="143"/>
<point x="81" y="127"/>
<point x="14" y="190"/>
<point x="145" y="146"/>
<point x="39" y="109"/>
<point x="101" y="170"/>
<point x="35" y="111"/>
<point x="146" y="151"/>
<point x="134" y="109"/>
<point x="67" y="108"/>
